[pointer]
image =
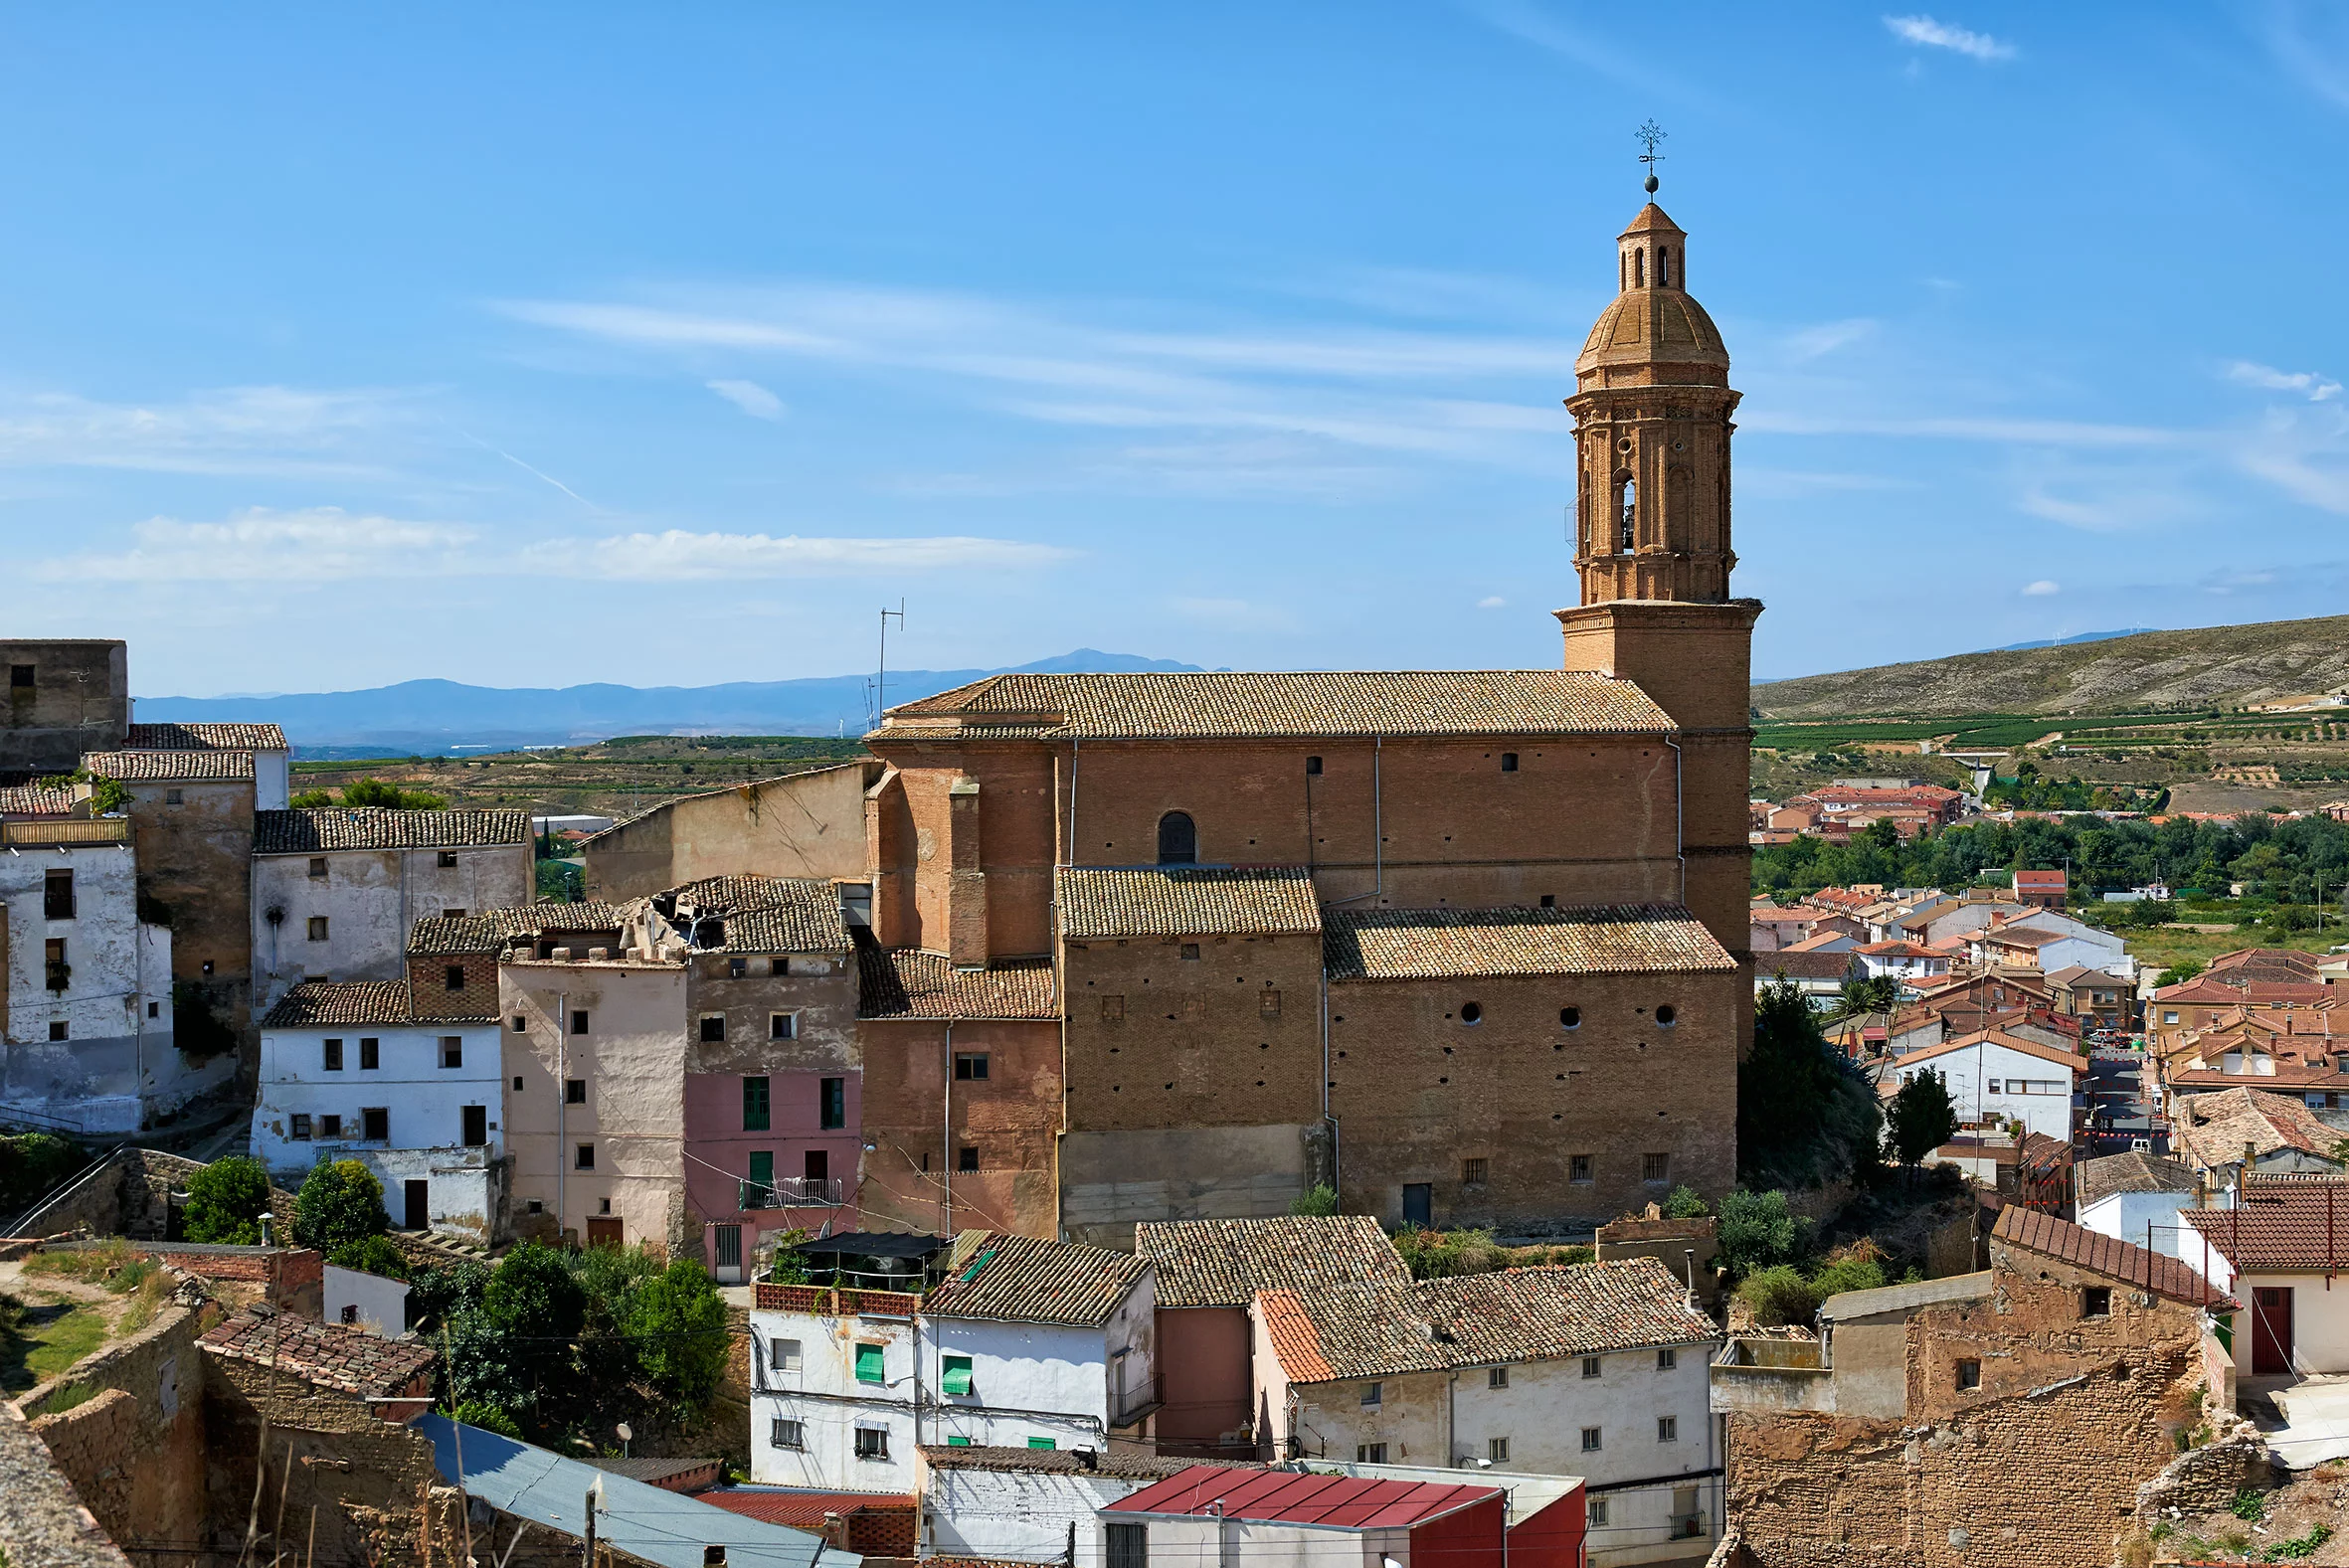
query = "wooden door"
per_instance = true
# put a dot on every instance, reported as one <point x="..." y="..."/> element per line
<point x="419" y="1196"/>
<point x="2271" y="1329"/>
<point x="603" y="1230"/>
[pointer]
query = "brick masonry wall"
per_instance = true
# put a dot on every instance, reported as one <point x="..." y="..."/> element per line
<point x="368" y="1477"/>
<point x="134" y="1452"/>
<point x="1013" y="1120"/>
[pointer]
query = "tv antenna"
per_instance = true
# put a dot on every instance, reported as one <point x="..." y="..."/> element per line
<point x="1646" y="137"/>
<point x="881" y="676"/>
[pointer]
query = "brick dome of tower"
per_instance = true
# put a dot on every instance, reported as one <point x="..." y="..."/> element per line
<point x="1653" y="332"/>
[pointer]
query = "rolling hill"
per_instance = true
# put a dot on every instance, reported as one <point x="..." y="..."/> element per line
<point x="2219" y="666"/>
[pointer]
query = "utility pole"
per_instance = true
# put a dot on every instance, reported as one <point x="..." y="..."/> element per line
<point x="881" y="677"/>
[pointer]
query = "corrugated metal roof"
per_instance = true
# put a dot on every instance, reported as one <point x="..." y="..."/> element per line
<point x="1356" y="1503"/>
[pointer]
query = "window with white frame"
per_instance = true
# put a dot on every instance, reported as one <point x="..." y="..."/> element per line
<point x="1372" y="1393"/>
<point x="785" y="1434"/>
<point x="783" y="1356"/>
<point x="1668" y="1429"/>
<point x="1496" y="1450"/>
<point x="1590" y="1440"/>
<point x="872" y="1443"/>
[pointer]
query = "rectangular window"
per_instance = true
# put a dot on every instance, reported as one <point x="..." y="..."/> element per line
<point x="783" y="1356"/>
<point x="175" y="796"/>
<point x="20" y="677"/>
<point x="575" y="1090"/>
<point x="1372" y="1393"/>
<point x="301" y="1127"/>
<point x="448" y="859"/>
<point x="1497" y="1377"/>
<point x="375" y="1125"/>
<point x="1191" y="951"/>
<point x="57" y="894"/>
<point x="1969" y="1375"/>
<point x="332" y="1052"/>
<point x="1472" y="1172"/>
<point x="1369" y="1453"/>
<point x="1128" y="1544"/>
<point x="1590" y="1440"/>
<point x="958" y="1443"/>
<point x="318" y="867"/>
<point x="2095" y="1301"/>
<point x="1655" y="1167"/>
<point x="317" y="928"/>
<point x="1509" y="762"/>
<point x="736" y="968"/>
<point x="831" y="1104"/>
<point x="453" y="1050"/>
<point x="868" y="1364"/>
<point x="970" y="1067"/>
<point x="58" y="1030"/>
<point x="474" y="1124"/>
<point x="966" y="1158"/>
<point x="1496" y="1449"/>
<point x="754" y="1105"/>
<point x="579" y="1020"/>
<point x="1668" y="1429"/>
<point x="1598" y="1510"/>
<point x="330" y="1127"/>
<point x="584" y="1157"/>
<point x="956" y="1374"/>
<point x="1042" y="1443"/>
<point x="1667" y="1358"/>
<point x="781" y="1433"/>
<point x="783" y="1026"/>
<point x="370" y="1053"/>
<point x="1578" y="1167"/>
<point x="1590" y="1366"/>
<point x="713" y="1028"/>
<point x="521" y="1024"/>
<point x="1113" y="1009"/>
<point x="1991" y="1087"/>
<point x="452" y="977"/>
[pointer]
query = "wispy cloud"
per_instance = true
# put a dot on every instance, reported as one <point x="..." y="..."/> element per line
<point x="1814" y="342"/>
<point x="677" y="556"/>
<point x="1492" y="602"/>
<point x="1521" y="19"/>
<point x="2311" y="42"/>
<point x="1926" y="32"/>
<point x="2304" y="451"/>
<point x="282" y="431"/>
<point x="2310" y="385"/>
<point x="2024" y="432"/>
<point x="2042" y="588"/>
<point x="748" y="396"/>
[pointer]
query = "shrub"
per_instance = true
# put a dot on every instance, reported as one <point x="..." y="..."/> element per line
<point x="1847" y="1274"/>
<point x="340" y="1204"/>
<point x="1685" y="1203"/>
<point x="371" y="1255"/>
<point x="679" y="1327"/>
<point x="1438" y="1254"/>
<point x="32" y="1165"/>
<point x="225" y="1200"/>
<point x="1756" y="1231"/>
<point x="489" y="1418"/>
<point x="1320" y="1203"/>
<point x="1779" y="1295"/>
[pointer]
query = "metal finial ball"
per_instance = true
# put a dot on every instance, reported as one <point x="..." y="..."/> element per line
<point x="1651" y="185"/>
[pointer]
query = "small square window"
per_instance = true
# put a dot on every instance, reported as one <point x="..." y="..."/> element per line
<point x="1969" y="1375"/>
<point x="955" y="1374"/>
<point x="453" y="1050"/>
<point x="332" y="1053"/>
<point x="1590" y="1366"/>
<point x="584" y="1157"/>
<point x="180" y="797"/>
<point x="966" y="1158"/>
<point x="2095" y="1301"/>
<point x="575" y="1090"/>
<point x="330" y="1126"/>
<point x="1113" y="1009"/>
<point x="1590" y="1440"/>
<point x="970" y="1067"/>
<point x="350" y="1311"/>
<point x="1472" y="1172"/>
<point x="1667" y="1358"/>
<point x="1313" y="765"/>
<point x="521" y="1024"/>
<point x="58" y="1030"/>
<point x="1549" y="900"/>
<point x="452" y="977"/>
<point x="1655" y="1168"/>
<point x="736" y="968"/>
<point x="713" y="1028"/>
<point x="20" y="677"/>
<point x="301" y="1127"/>
<point x="783" y="1026"/>
<point x="1373" y="1393"/>
<point x="370" y="1053"/>
<point x="317" y="928"/>
<point x="871" y="1367"/>
<point x="318" y="867"/>
<point x="781" y="1433"/>
<point x="783" y="1356"/>
<point x="1578" y="1167"/>
<point x="1668" y="1429"/>
<point x="1497" y="1377"/>
<point x="579" y="1020"/>
<point x="537" y="1206"/>
<point x="1191" y="951"/>
<point x="1497" y="1450"/>
<point x="448" y="859"/>
<point x="1509" y="762"/>
<point x="1367" y="1453"/>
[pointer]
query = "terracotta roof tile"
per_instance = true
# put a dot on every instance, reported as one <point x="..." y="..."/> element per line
<point x="2286" y="1222"/>
<point x="2043" y="1233"/>
<point x="761" y="914"/>
<point x="35" y="799"/>
<point x="1186" y="901"/>
<point x="496" y="929"/>
<point x="2134" y="1171"/>
<point x="2075" y="1065"/>
<point x="350" y="1360"/>
<point x="1019" y="1279"/>
<point x="204" y="738"/>
<point x="907" y="984"/>
<point x="169" y="767"/>
<point x="1224" y="1263"/>
<point x="330" y="1002"/>
<point x="1300" y="705"/>
<point x="2211" y="1130"/>
<point x="1404" y="943"/>
<point x="323" y="828"/>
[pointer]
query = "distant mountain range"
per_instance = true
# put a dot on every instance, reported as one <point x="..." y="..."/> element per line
<point x="2064" y="643"/>
<point x="439" y="716"/>
<point x="2222" y="666"/>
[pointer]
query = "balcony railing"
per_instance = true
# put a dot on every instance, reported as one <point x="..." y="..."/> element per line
<point x="27" y="831"/>
<point x="1687" y="1527"/>
<point x="790" y="1192"/>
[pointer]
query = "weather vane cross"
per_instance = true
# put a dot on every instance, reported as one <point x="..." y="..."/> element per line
<point x="1646" y="137"/>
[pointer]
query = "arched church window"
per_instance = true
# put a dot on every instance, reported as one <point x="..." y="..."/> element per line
<point x="1663" y="267"/>
<point x="1179" y="840"/>
<point x="1639" y="268"/>
<point x="1583" y="512"/>
<point x="1626" y="513"/>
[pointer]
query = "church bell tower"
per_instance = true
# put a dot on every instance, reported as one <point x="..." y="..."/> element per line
<point x="1651" y="405"/>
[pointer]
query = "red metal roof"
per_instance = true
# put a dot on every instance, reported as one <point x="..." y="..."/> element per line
<point x="1351" y="1502"/>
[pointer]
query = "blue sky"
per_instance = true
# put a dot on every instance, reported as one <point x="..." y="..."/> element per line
<point x="539" y="344"/>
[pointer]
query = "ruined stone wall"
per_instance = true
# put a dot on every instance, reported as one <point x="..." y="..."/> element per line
<point x="366" y="1477"/>
<point x="135" y="1449"/>
<point x="75" y="699"/>
<point x="195" y="860"/>
<point x="805" y="824"/>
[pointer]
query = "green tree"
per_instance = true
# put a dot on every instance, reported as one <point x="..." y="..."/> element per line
<point x="225" y="1200"/>
<point x="678" y="1324"/>
<point x="1847" y="1274"/>
<point x="2179" y="972"/>
<point x="1921" y="1117"/>
<point x="1319" y="1203"/>
<point x="310" y="800"/>
<point x="1876" y="993"/>
<point x="1756" y="1231"/>
<point x="488" y="1417"/>
<point x="513" y="1348"/>
<point x="375" y="792"/>
<point x="1685" y="1203"/>
<point x="1802" y="1114"/>
<point x="340" y="1202"/>
<point x="371" y="1255"/>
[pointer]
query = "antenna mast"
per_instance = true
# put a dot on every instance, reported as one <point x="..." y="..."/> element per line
<point x="881" y="677"/>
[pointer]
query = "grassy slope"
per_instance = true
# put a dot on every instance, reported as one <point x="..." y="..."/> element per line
<point x="2220" y="665"/>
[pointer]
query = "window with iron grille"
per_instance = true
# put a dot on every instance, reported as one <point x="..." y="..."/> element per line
<point x="57" y="894"/>
<point x="781" y="1433"/>
<point x="1578" y="1167"/>
<point x="1472" y="1172"/>
<point x="1655" y="1167"/>
<point x="1128" y="1544"/>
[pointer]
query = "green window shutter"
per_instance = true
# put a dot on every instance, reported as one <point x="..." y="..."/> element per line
<point x="868" y="1364"/>
<point x="958" y="1374"/>
<point x="958" y="1443"/>
<point x="1041" y="1442"/>
<point x="754" y="1105"/>
<point x="761" y="1168"/>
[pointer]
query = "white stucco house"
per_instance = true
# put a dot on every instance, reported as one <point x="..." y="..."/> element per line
<point x="2136" y="1198"/>
<point x="348" y="1070"/>
<point x="2277" y="1254"/>
<point x="1995" y="1077"/>
<point x="86" y="1020"/>
<point x="366" y="1300"/>
<point x="1903" y="960"/>
<point x="1598" y="1370"/>
<point x="1026" y="1344"/>
<point x="336" y="890"/>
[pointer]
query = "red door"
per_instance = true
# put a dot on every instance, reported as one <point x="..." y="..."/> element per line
<point x="2271" y="1329"/>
